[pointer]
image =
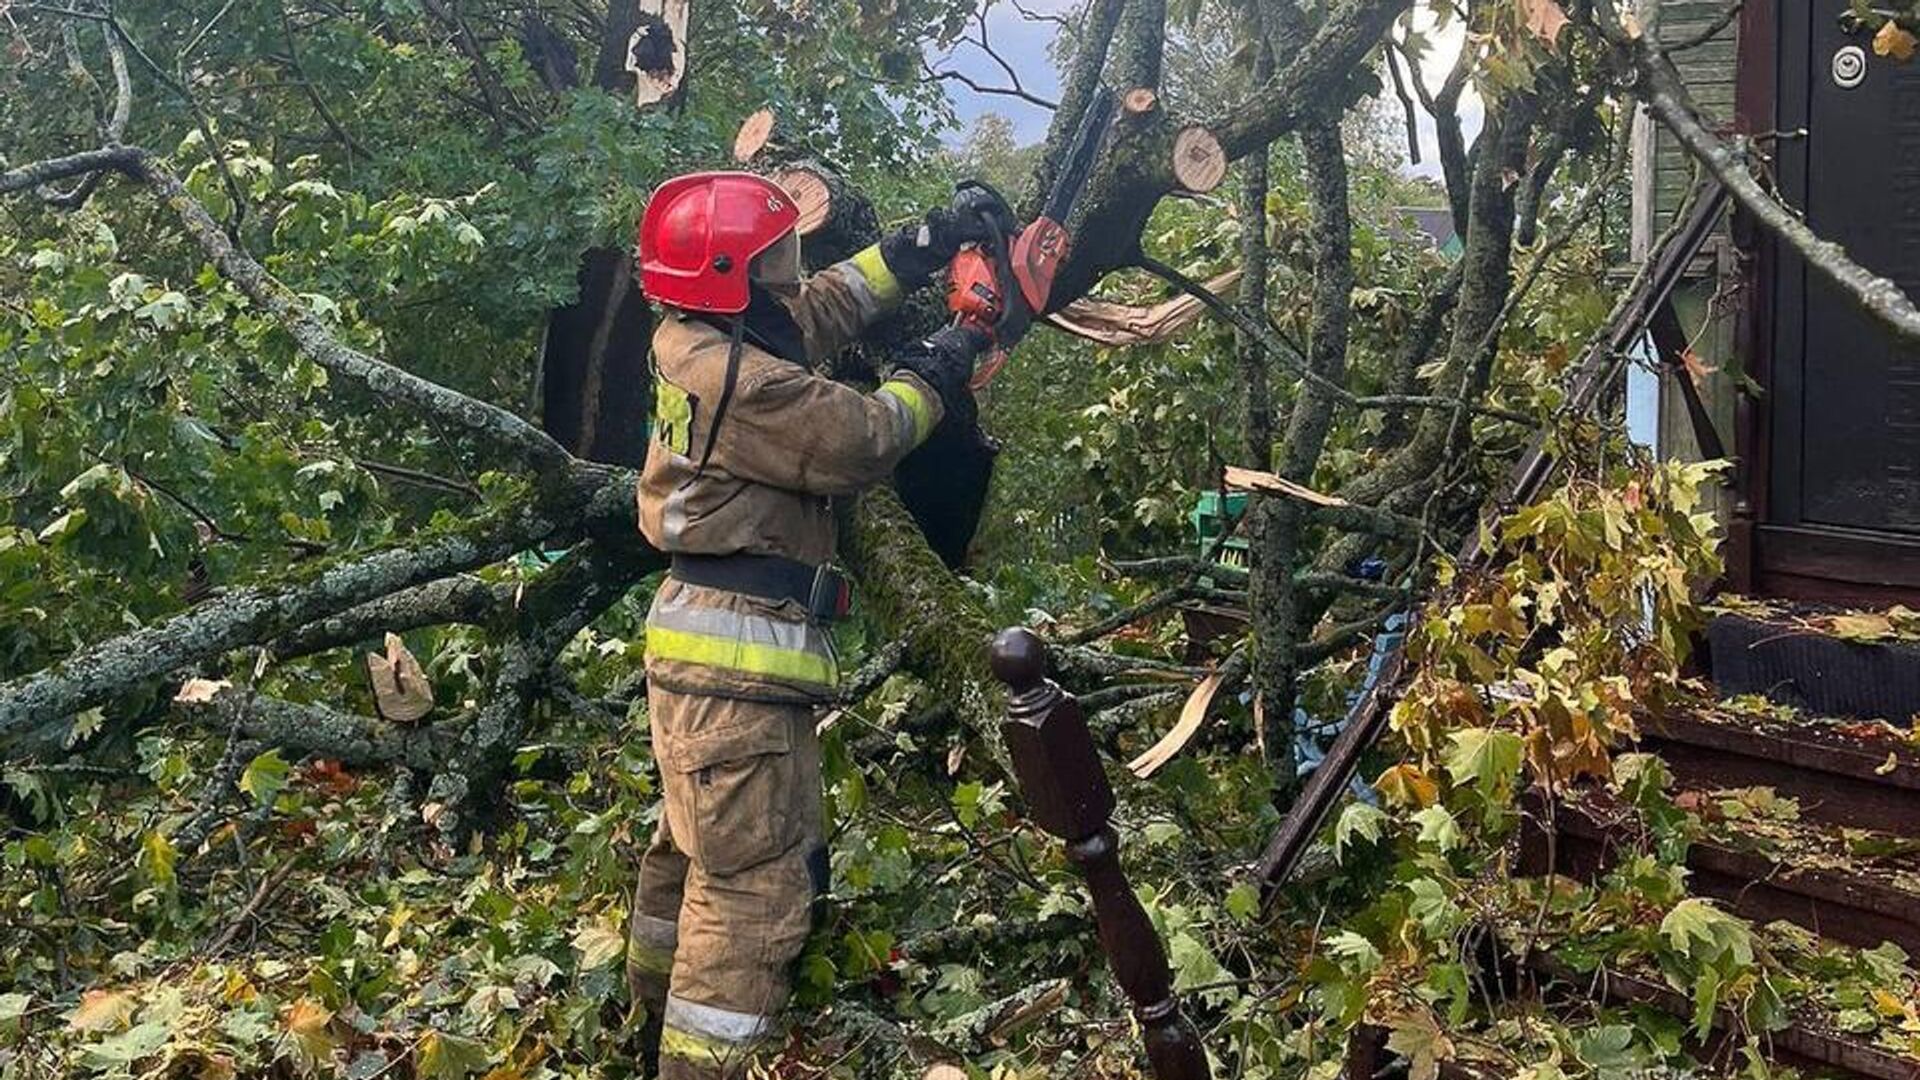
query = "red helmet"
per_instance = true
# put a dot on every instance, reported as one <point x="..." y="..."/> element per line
<point x="700" y="232"/>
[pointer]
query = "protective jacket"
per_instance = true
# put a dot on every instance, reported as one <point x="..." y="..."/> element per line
<point x="760" y="483"/>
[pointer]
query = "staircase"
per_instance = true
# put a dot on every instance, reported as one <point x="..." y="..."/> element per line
<point x="1807" y="777"/>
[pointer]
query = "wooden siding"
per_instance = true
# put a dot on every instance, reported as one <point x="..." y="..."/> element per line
<point x="1663" y="174"/>
<point x="1709" y="73"/>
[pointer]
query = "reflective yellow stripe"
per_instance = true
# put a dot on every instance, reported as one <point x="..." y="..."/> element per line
<point x="672" y="416"/>
<point x="685" y="1045"/>
<point x="886" y="287"/>
<point x="645" y="961"/>
<point x="916" y="402"/>
<point x="732" y="654"/>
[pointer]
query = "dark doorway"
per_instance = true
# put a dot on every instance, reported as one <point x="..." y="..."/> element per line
<point x="1843" y="508"/>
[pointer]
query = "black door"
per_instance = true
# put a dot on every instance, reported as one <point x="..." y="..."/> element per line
<point x="1845" y="399"/>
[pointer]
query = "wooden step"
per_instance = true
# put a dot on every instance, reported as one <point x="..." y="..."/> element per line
<point x="1861" y="889"/>
<point x="1768" y="869"/>
<point x="1790" y="657"/>
<point x="1854" y="774"/>
<point x="1803" y="1044"/>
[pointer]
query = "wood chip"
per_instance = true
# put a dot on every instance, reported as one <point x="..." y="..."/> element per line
<point x="200" y="691"/>
<point x="753" y="135"/>
<point x="1199" y="161"/>
<point x="1192" y="715"/>
<point x="810" y="195"/>
<point x="401" y="693"/>
<point x="1266" y="483"/>
<point x="944" y="1072"/>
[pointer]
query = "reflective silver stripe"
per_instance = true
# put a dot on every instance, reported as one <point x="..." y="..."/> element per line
<point x="662" y="934"/>
<point x="679" y="612"/>
<point x="864" y="297"/>
<point x="673" y="512"/>
<point x="714" y="1022"/>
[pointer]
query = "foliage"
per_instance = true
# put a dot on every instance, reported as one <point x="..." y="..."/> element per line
<point x="188" y="900"/>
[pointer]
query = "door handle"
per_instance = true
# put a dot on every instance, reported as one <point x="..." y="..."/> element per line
<point x="1849" y="67"/>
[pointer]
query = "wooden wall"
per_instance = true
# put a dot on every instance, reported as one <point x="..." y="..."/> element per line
<point x="1662" y="175"/>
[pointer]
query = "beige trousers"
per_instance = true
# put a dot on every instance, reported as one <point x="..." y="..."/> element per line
<point x="728" y="884"/>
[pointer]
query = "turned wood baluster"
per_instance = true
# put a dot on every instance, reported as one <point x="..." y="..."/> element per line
<point x="1068" y="795"/>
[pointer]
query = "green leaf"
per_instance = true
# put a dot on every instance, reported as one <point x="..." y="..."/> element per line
<point x="966" y="802"/>
<point x="1484" y="756"/>
<point x="1243" y="902"/>
<point x="165" y="311"/>
<point x="129" y="1046"/>
<point x="1608" y="1049"/>
<point x="1354" y="952"/>
<point x="265" y="777"/>
<point x="443" y="1056"/>
<point x="1436" y="912"/>
<point x="1438" y="828"/>
<point x="1357" y="820"/>
<point x="1698" y="930"/>
<point x="1706" y="999"/>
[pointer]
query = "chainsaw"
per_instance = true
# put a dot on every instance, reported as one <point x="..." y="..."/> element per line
<point x="988" y="279"/>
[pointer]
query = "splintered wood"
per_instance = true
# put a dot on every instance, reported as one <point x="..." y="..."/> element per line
<point x="401" y="693"/>
<point x="1267" y="483"/>
<point x="811" y="196"/>
<point x="1117" y="325"/>
<point x="1192" y="715"/>
<point x="657" y="51"/>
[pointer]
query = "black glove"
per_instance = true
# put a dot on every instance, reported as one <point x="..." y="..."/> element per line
<point x="917" y="252"/>
<point x="944" y="361"/>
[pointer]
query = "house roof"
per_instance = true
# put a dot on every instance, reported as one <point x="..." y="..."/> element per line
<point x="1435" y="223"/>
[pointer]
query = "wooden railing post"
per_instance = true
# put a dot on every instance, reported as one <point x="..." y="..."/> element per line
<point x="1067" y="794"/>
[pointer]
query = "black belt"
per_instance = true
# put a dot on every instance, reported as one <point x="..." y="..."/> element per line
<point x="826" y="593"/>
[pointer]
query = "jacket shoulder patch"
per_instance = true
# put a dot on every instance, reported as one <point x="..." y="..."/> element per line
<point x="673" y="416"/>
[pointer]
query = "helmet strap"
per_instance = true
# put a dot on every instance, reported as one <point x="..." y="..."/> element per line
<point x="734" y="342"/>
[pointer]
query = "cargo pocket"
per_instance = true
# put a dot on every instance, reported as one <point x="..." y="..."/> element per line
<point x="737" y="786"/>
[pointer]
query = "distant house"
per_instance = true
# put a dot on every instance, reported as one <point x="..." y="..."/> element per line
<point x="1432" y="224"/>
<point x="1825" y="503"/>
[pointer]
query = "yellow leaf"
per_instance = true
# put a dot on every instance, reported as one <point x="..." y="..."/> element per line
<point x="1408" y="785"/>
<point x="1895" y="42"/>
<point x="600" y="942"/>
<point x="396" y="923"/>
<point x="1545" y="19"/>
<point x="102" y="1010"/>
<point x="1890" y="1005"/>
<point x="1860" y="626"/>
<point x="306" y="1020"/>
<point x="1887" y="766"/>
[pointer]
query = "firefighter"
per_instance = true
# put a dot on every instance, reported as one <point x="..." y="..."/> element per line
<point x="748" y="447"/>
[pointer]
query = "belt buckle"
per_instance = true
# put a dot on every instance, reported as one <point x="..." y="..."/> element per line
<point x="831" y="595"/>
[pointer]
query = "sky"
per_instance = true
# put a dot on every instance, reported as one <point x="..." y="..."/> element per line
<point x="1023" y="44"/>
